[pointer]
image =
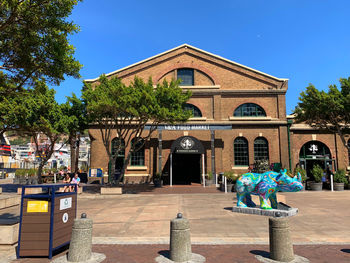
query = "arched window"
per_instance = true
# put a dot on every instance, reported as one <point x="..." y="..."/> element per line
<point x="118" y="144"/>
<point x="240" y="150"/>
<point x="138" y="155"/>
<point x="261" y="149"/>
<point x="195" y="111"/>
<point x="249" y="110"/>
<point x="186" y="75"/>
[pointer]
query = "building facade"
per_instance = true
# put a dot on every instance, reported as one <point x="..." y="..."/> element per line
<point x="239" y="116"/>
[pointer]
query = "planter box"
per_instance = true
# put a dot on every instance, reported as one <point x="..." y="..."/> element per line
<point x="9" y="201"/>
<point x="9" y="232"/>
<point x="316" y="186"/>
<point x="111" y="190"/>
<point x="80" y="190"/>
<point x="34" y="190"/>
<point x="338" y="186"/>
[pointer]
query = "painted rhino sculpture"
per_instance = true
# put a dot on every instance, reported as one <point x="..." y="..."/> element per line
<point x="265" y="185"/>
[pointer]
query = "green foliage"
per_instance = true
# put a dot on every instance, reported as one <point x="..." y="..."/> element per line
<point x="317" y="172"/>
<point x="34" y="42"/>
<point x="261" y="166"/>
<point x="231" y="176"/>
<point x="126" y="110"/>
<point x="25" y="172"/>
<point x="20" y="141"/>
<point x="210" y="175"/>
<point x="326" y="110"/>
<point x="302" y="173"/>
<point x="340" y="176"/>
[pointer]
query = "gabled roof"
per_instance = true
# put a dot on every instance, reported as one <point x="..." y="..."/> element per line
<point x="194" y="48"/>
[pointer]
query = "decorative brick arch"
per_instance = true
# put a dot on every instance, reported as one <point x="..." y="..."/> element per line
<point x="188" y="65"/>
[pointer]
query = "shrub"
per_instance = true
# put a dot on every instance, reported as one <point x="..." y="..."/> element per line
<point x="317" y="172"/>
<point x="302" y="173"/>
<point x="231" y="177"/>
<point x="340" y="177"/>
<point x="261" y="166"/>
<point x="210" y="175"/>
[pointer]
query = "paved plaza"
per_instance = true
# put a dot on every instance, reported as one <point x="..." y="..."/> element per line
<point x="135" y="227"/>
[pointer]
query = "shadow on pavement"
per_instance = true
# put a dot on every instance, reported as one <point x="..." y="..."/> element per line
<point x="164" y="253"/>
<point x="345" y="250"/>
<point x="262" y="253"/>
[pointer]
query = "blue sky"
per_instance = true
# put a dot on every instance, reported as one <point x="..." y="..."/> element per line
<point x="306" y="41"/>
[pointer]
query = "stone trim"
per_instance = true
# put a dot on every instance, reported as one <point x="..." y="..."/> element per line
<point x="136" y="168"/>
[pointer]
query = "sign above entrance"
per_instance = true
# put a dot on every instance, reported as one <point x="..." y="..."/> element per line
<point x="187" y="144"/>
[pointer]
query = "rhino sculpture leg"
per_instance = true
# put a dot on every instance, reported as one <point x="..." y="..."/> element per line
<point x="264" y="203"/>
<point x="240" y="198"/>
<point x="249" y="201"/>
<point x="273" y="201"/>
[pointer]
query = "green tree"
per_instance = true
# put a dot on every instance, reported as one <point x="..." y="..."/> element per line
<point x="34" y="43"/>
<point x="326" y="110"/>
<point x="122" y="112"/>
<point x="41" y="115"/>
<point x="75" y="110"/>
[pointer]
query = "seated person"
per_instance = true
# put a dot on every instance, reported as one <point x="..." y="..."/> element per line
<point x="66" y="180"/>
<point x="75" y="180"/>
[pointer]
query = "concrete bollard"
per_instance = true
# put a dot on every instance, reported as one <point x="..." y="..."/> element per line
<point x="180" y="241"/>
<point x="281" y="246"/>
<point x="81" y="241"/>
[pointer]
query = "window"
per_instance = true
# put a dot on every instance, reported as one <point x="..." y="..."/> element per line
<point x="261" y="149"/>
<point x="186" y="75"/>
<point x="195" y="111"/>
<point x="240" y="150"/>
<point x="115" y="146"/>
<point x="249" y="110"/>
<point x="138" y="155"/>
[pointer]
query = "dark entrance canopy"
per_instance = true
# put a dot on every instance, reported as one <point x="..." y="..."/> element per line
<point x="187" y="145"/>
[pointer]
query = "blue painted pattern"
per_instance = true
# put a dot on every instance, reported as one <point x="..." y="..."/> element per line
<point x="265" y="185"/>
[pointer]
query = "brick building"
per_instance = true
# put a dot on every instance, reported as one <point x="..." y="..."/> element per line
<point x="239" y="115"/>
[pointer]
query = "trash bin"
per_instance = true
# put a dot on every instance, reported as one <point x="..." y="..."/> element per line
<point x="46" y="220"/>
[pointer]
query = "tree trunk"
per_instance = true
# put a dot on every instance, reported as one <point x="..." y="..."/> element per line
<point x="125" y="164"/>
<point x="40" y="170"/>
<point x="76" y="160"/>
<point x="72" y="144"/>
<point x="111" y="172"/>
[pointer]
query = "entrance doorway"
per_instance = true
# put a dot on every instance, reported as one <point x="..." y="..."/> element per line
<point x="186" y="169"/>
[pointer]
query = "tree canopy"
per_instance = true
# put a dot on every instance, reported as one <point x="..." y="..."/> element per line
<point x="34" y="43"/>
<point x="122" y="112"/>
<point x="326" y="110"/>
<point x="41" y="115"/>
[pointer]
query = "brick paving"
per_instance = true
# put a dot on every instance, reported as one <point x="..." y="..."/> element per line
<point x="212" y="253"/>
<point x="135" y="227"/>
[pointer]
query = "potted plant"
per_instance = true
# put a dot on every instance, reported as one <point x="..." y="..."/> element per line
<point x="340" y="180"/>
<point x="231" y="180"/>
<point x="209" y="178"/>
<point x="157" y="180"/>
<point x="317" y="173"/>
<point x="303" y="175"/>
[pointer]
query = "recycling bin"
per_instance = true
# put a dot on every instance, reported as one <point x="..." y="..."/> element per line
<point x="46" y="220"/>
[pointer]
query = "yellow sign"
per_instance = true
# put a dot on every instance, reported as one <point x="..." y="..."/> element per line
<point x="37" y="206"/>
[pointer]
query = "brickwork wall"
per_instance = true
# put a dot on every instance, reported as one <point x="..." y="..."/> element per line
<point x="215" y="105"/>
